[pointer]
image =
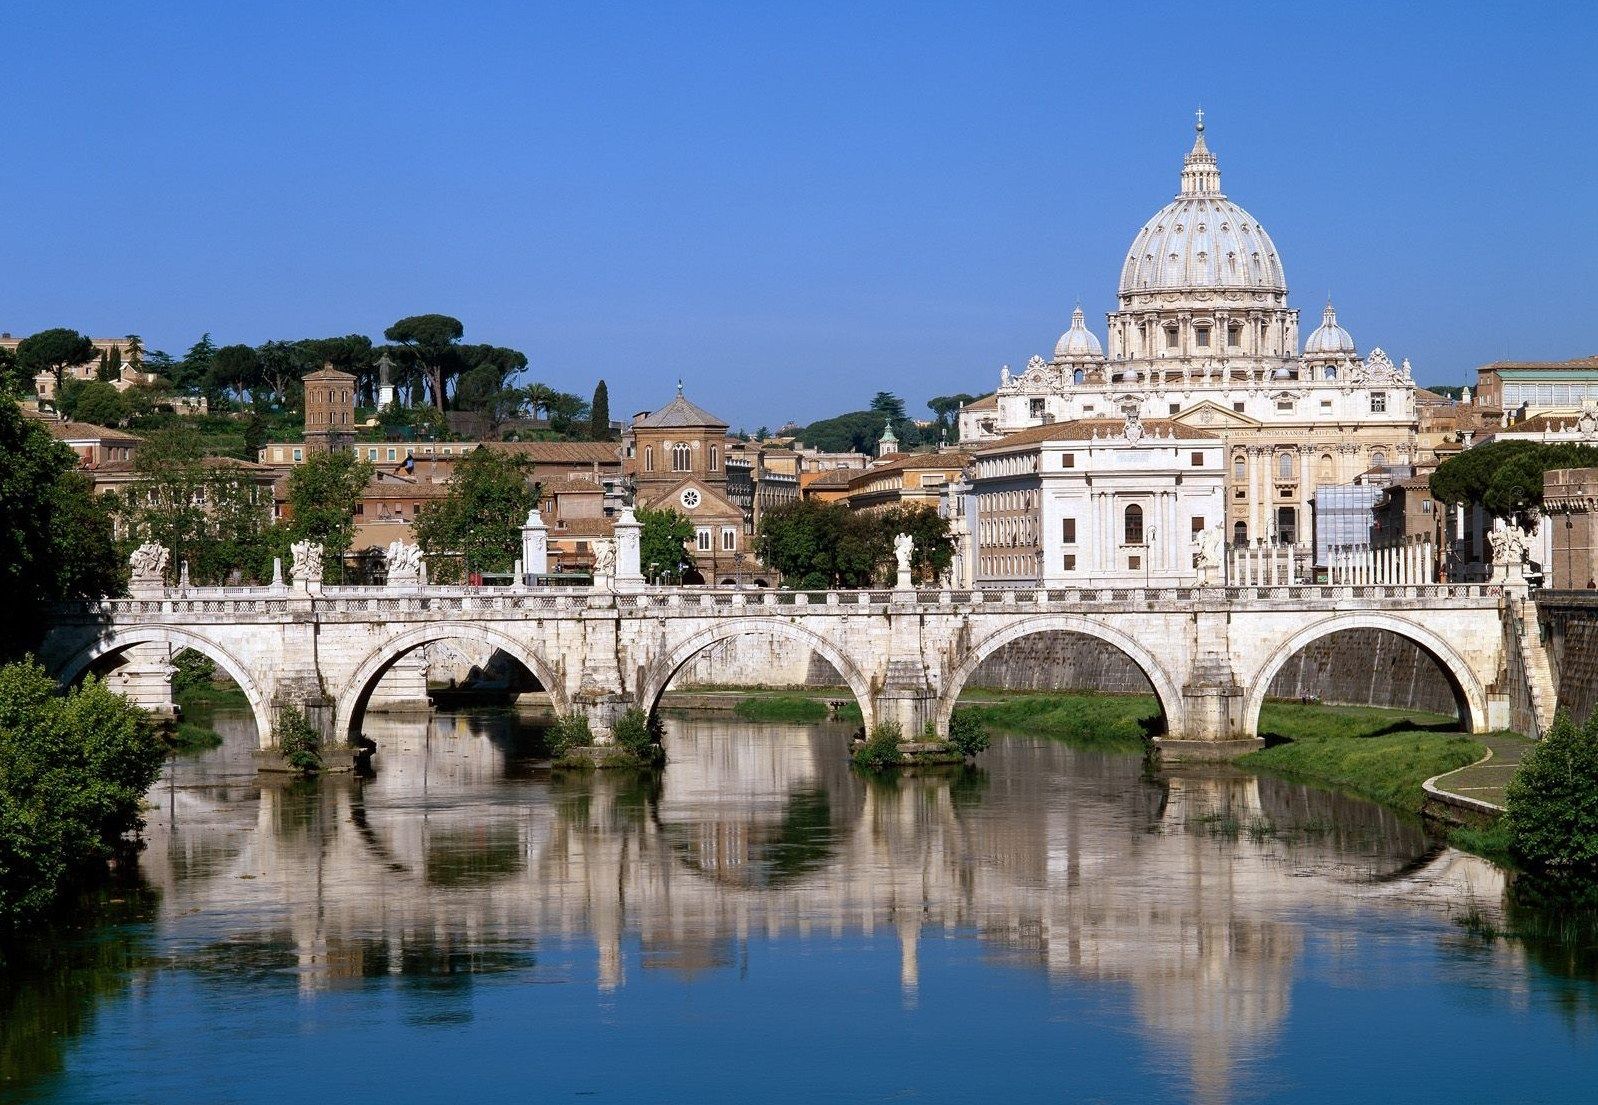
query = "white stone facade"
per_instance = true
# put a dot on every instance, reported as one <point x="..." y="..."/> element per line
<point x="1203" y="334"/>
<point x="1094" y="502"/>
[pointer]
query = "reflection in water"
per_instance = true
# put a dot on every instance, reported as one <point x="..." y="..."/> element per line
<point x="463" y="858"/>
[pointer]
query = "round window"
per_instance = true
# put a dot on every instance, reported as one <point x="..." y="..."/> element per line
<point x="690" y="498"/>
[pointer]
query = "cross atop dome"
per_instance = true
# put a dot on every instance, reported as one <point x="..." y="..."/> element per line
<point x="1201" y="175"/>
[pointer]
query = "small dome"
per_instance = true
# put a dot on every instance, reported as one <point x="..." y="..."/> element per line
<point x="1329" y="338"/>
<point x="1077" y="342"/>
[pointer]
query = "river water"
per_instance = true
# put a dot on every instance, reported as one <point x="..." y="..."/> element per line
<point x="761" y="923"/>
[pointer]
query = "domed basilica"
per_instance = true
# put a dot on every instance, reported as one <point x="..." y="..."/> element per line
<point x="1204" y="336"/>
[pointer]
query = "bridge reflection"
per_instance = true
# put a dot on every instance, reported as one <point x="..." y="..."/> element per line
<point x="1185" y="884"/>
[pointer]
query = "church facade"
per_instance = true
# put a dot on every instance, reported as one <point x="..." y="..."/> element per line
<point x="1204" y="337"/>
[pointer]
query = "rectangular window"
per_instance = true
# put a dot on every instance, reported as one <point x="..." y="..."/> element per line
<point x="1036" y="408"/>
<point x="1068" y="530"/>
<point x="299" y="454"/>
<point x="1197" y="523"/>
<point x="1196" y="460"/>
<point x="1176" y="408"/>
<point x="391" y="454"/>
<point x="1238" y="407"/>
<point x="702" y="538"/>
<point x="1170" y="338"/>
<point x="1070" y="562"/>
<point x="1240" y="493"/>
<point x="1326" y="404"/>
<point x="729" y="539"/>
<point x="1068" y="460"/>
<point x="1378" y="402"/>
<point x="1134" y="562"/>
<point x="1201" y="336"/>
<point x="1284" y="406"/>
<point x="1234" y="335"/>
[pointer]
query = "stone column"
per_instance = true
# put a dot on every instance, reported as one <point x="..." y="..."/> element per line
<point x="629" y="544"/>
<point x="535" y="545"/>
<point x="145" y="678"/>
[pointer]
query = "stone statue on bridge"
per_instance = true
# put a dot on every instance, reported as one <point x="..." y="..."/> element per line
<point x="306" y="568"/>
<point x="149" y="562"/>
<point x="1509" y="546"/>
<point x="604" y="560"/>
<point x="1208" y="550"/>
<point x="405" y="564"/>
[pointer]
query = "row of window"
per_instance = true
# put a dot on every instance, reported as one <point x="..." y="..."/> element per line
<point x="1287" y="466"/>
<point x="1549" y="395"/>
<point x="704" y="537"/>
<point x="682" y="459"/>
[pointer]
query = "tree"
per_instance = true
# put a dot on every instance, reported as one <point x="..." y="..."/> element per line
<point x="947" y="409"/>
<point x="55" y="534"/>
<point x="77" y="766"/>
<point x="255" y="435"/>
<point x="889" y="406"/>
<point x="663" y="541"/>
<point x="11" y="378"/>
<point x="193" y="372"/>
<point x="53" y="351"/>
<point x="565" y="411"/>
<point x="481" y="516"/>
<point x="855" y="432"/>
<point x="322" y="496"/>
<point x="934" y="548"/>
<point x="104" y="371"/>
<point x="430" y="339"/>
<point x="1553" y="800"/>
<point x="599" y="413"/>
<point x="1506" y="477"/>
<point x="135" y="352"/>
<point x="817" y="545"/>
<point x="92" y="401"/>
<point x="235" y="369"/>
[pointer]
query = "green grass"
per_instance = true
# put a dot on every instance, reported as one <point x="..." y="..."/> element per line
<point x="781" y="708"/>
<point x="1109" y="721"/>
<point x="208" y="695"/>
<point x="190" y="736"/>
<point x="1490" y="842"/>
<point x="1380" y="754"/>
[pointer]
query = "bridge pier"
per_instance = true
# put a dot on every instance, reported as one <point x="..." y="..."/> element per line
<point x="908" y="698"/>
<point x="1212" y="725"/>
<point x="145" y="678"/>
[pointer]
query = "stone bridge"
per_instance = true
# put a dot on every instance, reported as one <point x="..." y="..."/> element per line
<point x="1210" y="653"/>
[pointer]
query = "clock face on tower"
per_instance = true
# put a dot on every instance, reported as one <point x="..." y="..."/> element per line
<point x="690" y="498"/>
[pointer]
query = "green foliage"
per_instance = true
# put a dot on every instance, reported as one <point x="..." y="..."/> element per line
<point x="967" y="733"/>
<point x="53" y="351"/>
<point x="1553" y="799"/>
<point x="194" y="671"/>
<point x="818" y="544"/>
<point x="207" y="511"/>
<point x="781" y="708"/>
<point x="567" y="733"/>
<point x="947" y="408"/>
<point x="11" y="378"/>
<point x="854" y="432"/>
<point x="481" y="516"/>
<point x="888" y="405"/>
<point x="662" y="541"/>
<point x="1489" y="841"/>
<point x="298" y="742"/>
<point x="638" y="734"/>
<point x="1506" y="477"/>
<point x="192" y="736"/>
<point x="881" y="748"/>
<point x="234" y="370"/>
<point x="323" y="494"/>
<point x="93" y="401"/>
<point x="55" y="533"/>
<point x="431" y="340"/>
<point x="599" y="413"/>
<point x="73" y="770"/>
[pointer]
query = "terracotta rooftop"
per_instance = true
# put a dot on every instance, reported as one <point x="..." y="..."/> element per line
<point x="582" y="527"/>
<point x="213" y="463"/>
<point x="832" y="477"/>
<point x="84" y="431"/>
<point x="908" y="462"/>
<point x="679" y="413"/>
<point x="562" y="452"/>
<point x="1083" y="429"/>
<point x="986" y="403"/>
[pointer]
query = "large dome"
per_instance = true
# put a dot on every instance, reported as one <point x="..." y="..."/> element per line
<point x="1202" y="239"/>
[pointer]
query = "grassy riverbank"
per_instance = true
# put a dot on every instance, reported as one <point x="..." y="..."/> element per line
<point x="1113" y="722"/>
<point x="1379" y="754"/>
<point x="794" y="707"/>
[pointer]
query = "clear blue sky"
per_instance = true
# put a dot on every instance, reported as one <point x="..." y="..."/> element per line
<point x="790" y="206"/>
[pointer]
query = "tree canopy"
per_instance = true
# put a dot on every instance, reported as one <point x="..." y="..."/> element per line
<point x="430" y="339"/>
<point x="480" y="519"/>
<point x="662" y="541"/>
<point x="599" y="413"/>
<point x="1506" y="477"/>
<point x="816" y="545"/>
<point x="55" y="533"/>
<point x="53" y="351"/>
<point x="323" y="493"/>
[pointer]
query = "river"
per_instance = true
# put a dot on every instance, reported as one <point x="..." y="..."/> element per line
<point x="762" y="923"/>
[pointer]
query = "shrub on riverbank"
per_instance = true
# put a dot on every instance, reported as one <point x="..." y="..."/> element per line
<point x="639" y="736"/>
<point x="881" y="748"/>
<point x="73" y="771"/>
<point x="967" y="733"/>
<point x="299" y="742"/>
<point x="1553" y="799"/>
<point x="567" y="732"/>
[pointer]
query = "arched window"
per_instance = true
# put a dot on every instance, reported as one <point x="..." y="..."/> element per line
<point x="1328" y="469"/>
<point x="1240" y="534"/>
<point x="1133" y="529"/>
<point x="681" y="461"/>
<point x="1284" y="466"/>
<point x="1286" y="526"/>
<point x="1078" y="376"/>
<point x="1239" y="467"/>
<point x="1378" y="459"/>
<point x="649" y="458"/>
<point x="1331" y="372"/>
<point x="715" y="457"/>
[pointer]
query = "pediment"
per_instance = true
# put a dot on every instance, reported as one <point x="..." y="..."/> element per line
<point x="1210" y="415"/>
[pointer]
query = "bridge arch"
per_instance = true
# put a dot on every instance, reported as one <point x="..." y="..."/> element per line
<point x="358" y="691"/>
<point x="659" y="674"/>
<point x="1166" y="690"/>
<point x="1469" y="694"/>
<point x="177" y="638"/>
